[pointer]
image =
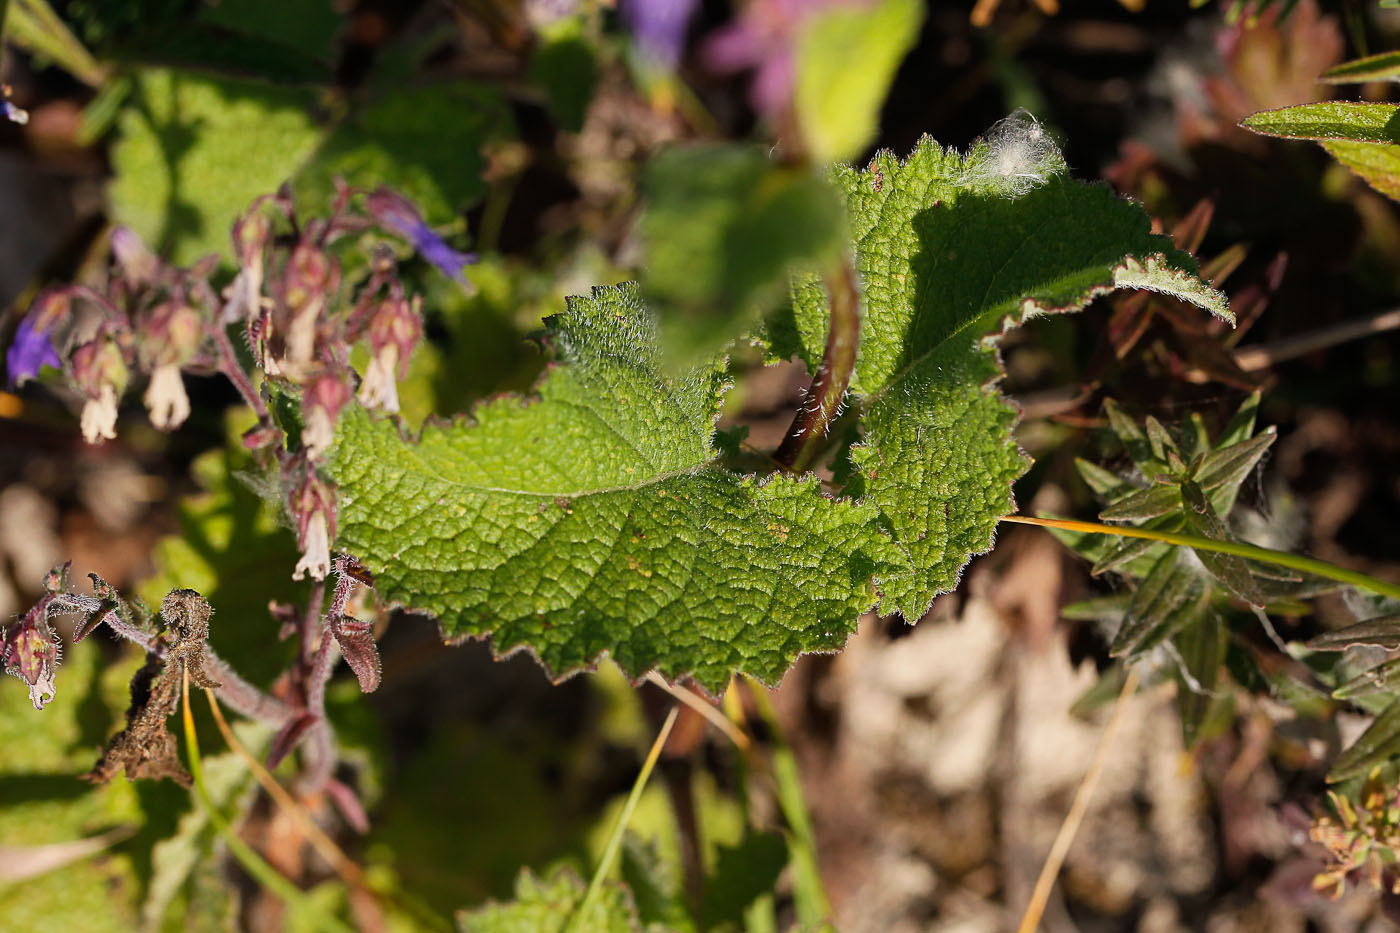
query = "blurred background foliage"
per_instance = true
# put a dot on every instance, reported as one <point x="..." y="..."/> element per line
<point x="526" y="131"/>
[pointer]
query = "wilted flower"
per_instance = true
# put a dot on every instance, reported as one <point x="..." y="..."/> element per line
<point x="243" y="297"/>
<point x="31" y="350"/>
<point x="100" y="372"/>
<point x="31" y="652"/>
<point x="764" y="38"/>
<point x="659" y="26"/>
<point x="321" y="403"/>
<point x="394" y="330"/>
<point x="397" y="213"/>
<point x="311" y="276"/>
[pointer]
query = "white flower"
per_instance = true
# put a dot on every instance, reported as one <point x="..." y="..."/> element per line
<point x="319" y="433"/>
<point x="166" y="399"/>
<point x="316" y="550"/>
<point x="380" y="388"/>
<point x="99" y="418"/>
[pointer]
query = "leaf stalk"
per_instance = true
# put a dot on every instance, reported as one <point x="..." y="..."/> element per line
<point x="823" y="400"/>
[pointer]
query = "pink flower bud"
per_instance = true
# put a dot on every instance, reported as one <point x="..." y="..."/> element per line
<point x="312" y="507"/>
<point x="394" y="330"/>
<point x="137" y="264"/>
<point x="172" y="334"/>
<point x="321" y="402"/>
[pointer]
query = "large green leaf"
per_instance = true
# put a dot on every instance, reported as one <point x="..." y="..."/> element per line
<point x="950" y="249"/>
<point x="596" y="519"/>
<point x="194" y="151"/>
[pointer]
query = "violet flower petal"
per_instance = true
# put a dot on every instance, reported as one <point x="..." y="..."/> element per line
<point x="397" y="213"/>
<point x="31" y="351"/>
<point x="659" y="27"/>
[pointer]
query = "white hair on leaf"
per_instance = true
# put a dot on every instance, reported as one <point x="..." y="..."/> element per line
<point x="1013" y="157"/>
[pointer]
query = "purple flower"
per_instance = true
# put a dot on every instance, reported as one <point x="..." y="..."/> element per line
<point x="764" y="38"/>
<point x="12" y="113"/>
<point x="397" y="213"/>
<point x="31" y="350"/>
<point x="660" y="27"/>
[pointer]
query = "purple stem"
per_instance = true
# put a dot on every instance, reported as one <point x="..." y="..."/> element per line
<point x="233" y="369"/>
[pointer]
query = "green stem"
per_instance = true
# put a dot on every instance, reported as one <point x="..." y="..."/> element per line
<point x="808" y="890"/>
<point x="625" y="817"/>
<point x="253" y="863"/>
<point x="1237" y="548"/>
<point x="804" y="439"/>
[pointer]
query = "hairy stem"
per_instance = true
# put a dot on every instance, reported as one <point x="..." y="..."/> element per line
<point x="233" y="369"/>
<point x="809" y="427"/>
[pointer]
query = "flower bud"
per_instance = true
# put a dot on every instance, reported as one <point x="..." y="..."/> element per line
<point x="100" y="372"/>
<point x="312" y="506"/>
<point x="321" y="402"/>
<point x="311" y="277"/>
<point x="394" y="331"/>
<point x="137" y="264"/>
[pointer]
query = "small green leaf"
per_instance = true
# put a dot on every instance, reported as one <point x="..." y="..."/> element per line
<point x="547" y="905"/>
<point x="846" y="58"/>
<point x="1379" y="679"/>
<point x="1172" y="596"/>
<point x="1376" y="746"/>
<point x="723" y="229"/>
<point x="1202" y="648"/>
<point x="1378" y="164"/>
<point x="1346" y="120"/>
<point x="1228" y="466"/>
<point x="1382" y="67"/>
<point x="1383" y="631"/>
<point x="1153" y="502"/>
<point x="1230" y="570"/>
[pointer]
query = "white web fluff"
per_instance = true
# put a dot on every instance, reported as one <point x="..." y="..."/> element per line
<point x="1014" y="156"/>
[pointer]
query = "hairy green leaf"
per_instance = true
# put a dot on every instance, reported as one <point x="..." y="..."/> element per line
<point x="596" y="519"/>
<point x="547" y="905"/>
<point x="1378" y="164"/>
<point x="950" y="249"/>
<point x="1333" y="119"/>
<point x="1377" y="745"/>
<point x="1382" y="67"/>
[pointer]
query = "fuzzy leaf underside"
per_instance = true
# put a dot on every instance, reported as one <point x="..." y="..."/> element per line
<point x="595" y="520"/>
<point x="946" y="256"/>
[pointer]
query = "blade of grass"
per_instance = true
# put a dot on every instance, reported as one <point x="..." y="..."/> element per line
<point x="343" y="865"/>
<point x="34" y="26"/>
<point x="1237" y="548"/>
<point x="1065" y="837"/>
<point x="253" y="863"/>
<point x="808" y="890"/>
<point x="623" y="818"/>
